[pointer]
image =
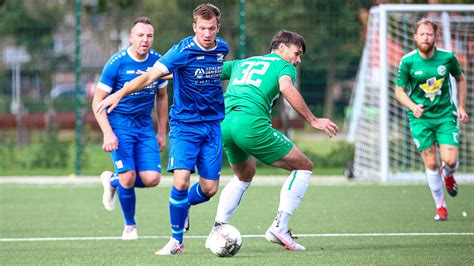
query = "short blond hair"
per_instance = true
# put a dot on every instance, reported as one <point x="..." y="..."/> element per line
<point x="207" y="12"/>
<point x="428" y="22"/>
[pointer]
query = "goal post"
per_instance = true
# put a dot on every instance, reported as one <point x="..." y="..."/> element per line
<point x="378" y="124"/>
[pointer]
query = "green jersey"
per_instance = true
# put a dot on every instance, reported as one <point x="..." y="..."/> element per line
<point x="254" y="83"/>
<point x="427" y="82"/>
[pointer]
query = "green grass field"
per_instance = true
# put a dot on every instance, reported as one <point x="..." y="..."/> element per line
<point x="349" y="223"/>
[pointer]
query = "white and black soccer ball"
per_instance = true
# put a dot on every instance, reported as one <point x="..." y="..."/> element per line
<point x="225" y="241"/>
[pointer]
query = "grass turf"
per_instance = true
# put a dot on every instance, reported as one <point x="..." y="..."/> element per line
<point x="56" y="211"/>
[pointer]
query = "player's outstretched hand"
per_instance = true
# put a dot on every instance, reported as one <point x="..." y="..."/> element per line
<point x="462" y="115"/>
<point x="327" y="126"/>
<point x="111" y="100"/>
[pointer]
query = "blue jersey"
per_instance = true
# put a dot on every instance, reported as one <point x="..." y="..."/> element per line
<point x="122" y="68"/>
<point x="198" y="94"/>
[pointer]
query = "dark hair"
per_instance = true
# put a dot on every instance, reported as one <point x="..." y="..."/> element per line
<point x="426" y="21"/>
<point x="144" y="20"/>
<point x="207" y="12"/>
<point x="287" y="38"/>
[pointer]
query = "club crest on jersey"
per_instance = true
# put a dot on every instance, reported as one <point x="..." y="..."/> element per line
<point x="442" y="70"/>
<point x="432" y="87"/>
<point x="220" y="58"/>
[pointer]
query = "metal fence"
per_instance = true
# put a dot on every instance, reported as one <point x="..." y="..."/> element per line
<point x="38" y="45"/>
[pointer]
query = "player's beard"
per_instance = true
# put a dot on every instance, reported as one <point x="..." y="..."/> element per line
<point x="425" y="47"/>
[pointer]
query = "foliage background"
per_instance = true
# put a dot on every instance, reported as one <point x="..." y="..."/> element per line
<point x="334" y="31"/>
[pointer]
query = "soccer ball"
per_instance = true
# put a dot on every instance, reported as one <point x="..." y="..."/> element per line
<point x="225" y="241"/>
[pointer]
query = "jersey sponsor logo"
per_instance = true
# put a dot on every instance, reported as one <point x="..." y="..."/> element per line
<point x="220" y="58"/>
<point x="119" y="164"/>
<point x="442" y="70"/>
<point x="432" y="87"/>
<point x="130" y="72"/>
<point x="208" y="75"/>
<point x="419" y="72"/>
<point x="199" y="73"/>
<point x="200" y="57"/>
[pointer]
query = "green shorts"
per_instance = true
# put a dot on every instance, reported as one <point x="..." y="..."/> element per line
<point x="426" y="132"/>
<point x="246" y="134"/>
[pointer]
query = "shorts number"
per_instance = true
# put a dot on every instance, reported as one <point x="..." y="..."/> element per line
<point x="251" y="69"/>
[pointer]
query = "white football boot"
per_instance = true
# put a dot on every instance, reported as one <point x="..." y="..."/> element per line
<point x="108" y="198"/>
<point x="211" y="236"/>
<point x="272" y="238"/>
<point x="284" y="239"/>
<point x="130" y="232"/>
<point x="171" y="248"/>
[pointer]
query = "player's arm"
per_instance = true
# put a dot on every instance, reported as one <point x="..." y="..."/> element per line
<point x="162" y="114"/>
<point x="462" y="95"/>
<point x="293" y="96"/>
<point x="227" y="70"/>
<point x="110" y="141"/>
<point x="167" y="77"/>
<point x="136" y="84"/>
<point x="405" y="100"/>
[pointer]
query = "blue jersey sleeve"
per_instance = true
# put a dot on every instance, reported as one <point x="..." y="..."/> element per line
<point x="109" y="75"/>
<point x="175" y="58"/>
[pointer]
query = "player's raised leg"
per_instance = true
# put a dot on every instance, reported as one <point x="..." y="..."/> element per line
<point x="291" y="194"/>
<point x="449" y="157"/>
<point x="108" y="196"/>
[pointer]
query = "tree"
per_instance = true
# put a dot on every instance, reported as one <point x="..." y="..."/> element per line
<point x="30" y="24"/>
<point x="331" y="29"/>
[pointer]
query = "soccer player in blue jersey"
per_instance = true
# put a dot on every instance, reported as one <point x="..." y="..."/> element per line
<point x="129" y="135"/>
<point x="198" y="108"/>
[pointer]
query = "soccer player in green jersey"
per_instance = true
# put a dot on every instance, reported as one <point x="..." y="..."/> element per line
<point x="423" y="86"/>
<point x="255" y="84"/>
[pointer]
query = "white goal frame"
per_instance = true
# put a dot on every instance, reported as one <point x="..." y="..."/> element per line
<point x="383" y="172"/>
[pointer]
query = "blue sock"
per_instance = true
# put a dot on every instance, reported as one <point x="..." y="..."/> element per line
<point x="196" y="195"/>
<point x="178" y="211"/>
<point x="114" y="180"/>
<point x="127" y="201"/>
<point x="138" y="181"/>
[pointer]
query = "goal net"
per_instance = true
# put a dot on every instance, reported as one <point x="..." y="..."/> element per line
<point x="378" y="124"/>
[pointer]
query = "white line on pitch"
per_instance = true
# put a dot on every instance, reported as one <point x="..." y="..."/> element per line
<point x="244" y="236"/>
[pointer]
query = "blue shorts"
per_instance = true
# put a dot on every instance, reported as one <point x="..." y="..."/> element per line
<point x="138" y="148"/>
<point x="196" y="145"/>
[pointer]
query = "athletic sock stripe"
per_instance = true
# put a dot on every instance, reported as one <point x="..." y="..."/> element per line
<point x="177" y="231"/>
<point x="197" y="191"/>
<point x="178" y="202"/>
<point x="292" y="180"/>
